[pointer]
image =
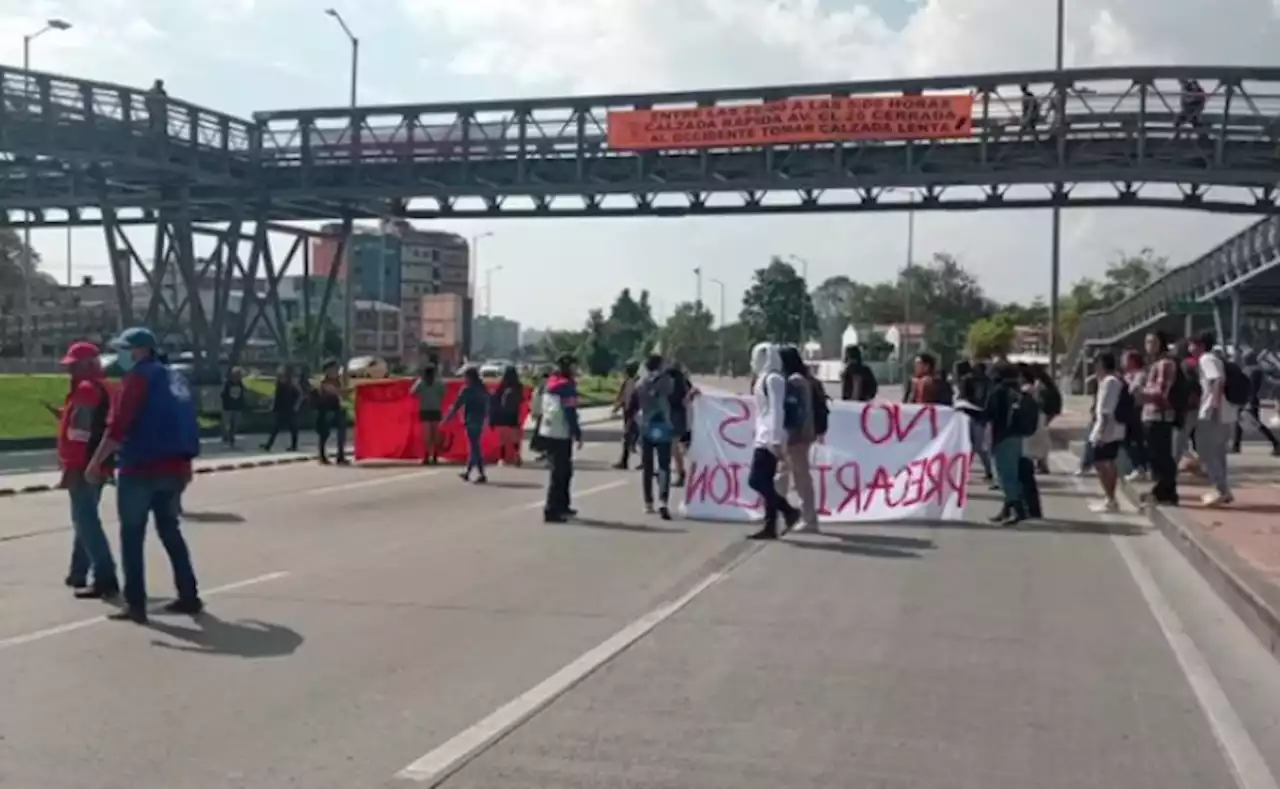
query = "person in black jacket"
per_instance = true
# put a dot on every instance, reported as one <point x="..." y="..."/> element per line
<point x="233" y="401"/>
<point x="1253" y="408"/>
<point x="973" y="385"/>
<point x="285" y="404"/>
<point x="857" y="380"/>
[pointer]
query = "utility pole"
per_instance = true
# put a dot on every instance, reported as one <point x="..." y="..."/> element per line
<point x="348" y="312"/>
<point x="720" y="333"/>
<point x="697" y="273"/>
<point x="28" y="263"/>
<point x="905" y="339"/>
<point x="1055" y="260"/>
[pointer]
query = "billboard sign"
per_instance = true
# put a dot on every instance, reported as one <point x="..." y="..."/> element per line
<point x="791" y="121"/>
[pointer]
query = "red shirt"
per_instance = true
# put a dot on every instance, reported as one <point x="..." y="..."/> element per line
<point x="133" y="398"/>
<point x="75" y="423"/>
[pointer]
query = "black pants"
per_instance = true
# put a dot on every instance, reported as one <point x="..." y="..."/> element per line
<point x="1030" y="490"/>
<point x="334" y="422"/>
<point x="1160" y="459"/>
<point x="661" y="453"/>
<point x="560" y="461"/>
<point x="1135" y="444"/>
<point x="284" y="420"/>
<point x="764" y="466"/>
<point x="630" y="435"/>
<point x="1254" y="410"/>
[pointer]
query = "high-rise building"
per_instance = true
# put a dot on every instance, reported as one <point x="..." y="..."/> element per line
<point x="398" y="264"/>
<point x="495" y="337"/>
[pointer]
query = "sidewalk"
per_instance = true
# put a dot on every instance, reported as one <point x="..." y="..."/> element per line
<point x="1236" y="548"/>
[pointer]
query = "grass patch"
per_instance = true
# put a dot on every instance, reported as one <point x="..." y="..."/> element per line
<point x="23" y="398"/>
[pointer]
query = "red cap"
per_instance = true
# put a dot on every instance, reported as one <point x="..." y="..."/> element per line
<point x="80" y="352"/>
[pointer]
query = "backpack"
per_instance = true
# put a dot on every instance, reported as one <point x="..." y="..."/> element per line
<point x="946" y="395"/>
<point x="1127" y="412"/>
<point x="821" y="411"/>
<point x="1024" y="414"/>
<point x="794" y="407"/>
<point x="1238" y="389"/>
<point x="1051" y="398"/>
<point x="655" y="426"/>
<point x="1180" y="391"/>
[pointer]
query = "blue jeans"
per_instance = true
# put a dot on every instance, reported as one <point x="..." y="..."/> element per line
<point x="90" y="549"/>
<point x="1007" y="455"/>
<point x="475" y="458"/>
<point x="137" y="498"/>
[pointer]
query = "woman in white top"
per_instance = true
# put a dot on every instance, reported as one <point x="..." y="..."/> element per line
<point x="1107" y="435"/>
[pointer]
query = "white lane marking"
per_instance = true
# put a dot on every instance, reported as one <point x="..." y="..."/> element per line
<point x="1244" y="759"/>
<point x="445" y="760"/>
<point x="375" y="482"/>
<point x="71" y="627"/>
<point x="577" y="494"/>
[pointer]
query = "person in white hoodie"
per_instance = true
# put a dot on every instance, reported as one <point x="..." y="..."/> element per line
<point x="770" y="392"/>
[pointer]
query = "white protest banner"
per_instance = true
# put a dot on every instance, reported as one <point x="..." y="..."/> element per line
<point x="878" y="462"/>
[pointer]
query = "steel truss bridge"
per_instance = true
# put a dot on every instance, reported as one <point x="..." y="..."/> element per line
<point x="75" y="153"/>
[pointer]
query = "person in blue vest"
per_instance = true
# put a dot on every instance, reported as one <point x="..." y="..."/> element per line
<point x="154" y="434"/>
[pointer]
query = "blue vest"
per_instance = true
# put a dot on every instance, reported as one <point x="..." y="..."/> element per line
<point x="166" y="426"/>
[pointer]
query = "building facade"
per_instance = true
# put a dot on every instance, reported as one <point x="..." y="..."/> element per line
<point x="495" y="337"/>
<point x="395" y="263"/>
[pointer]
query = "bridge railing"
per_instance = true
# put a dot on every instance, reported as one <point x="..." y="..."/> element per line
<point x="1253" y="248"/>
<point x="1144" y="104"/>
<point x="50" y="99"/>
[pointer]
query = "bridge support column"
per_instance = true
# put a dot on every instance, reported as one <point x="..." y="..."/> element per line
<point x="1235" y="323"/>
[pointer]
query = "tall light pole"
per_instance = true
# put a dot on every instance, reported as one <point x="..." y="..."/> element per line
<point x="804" y="276"/>
<point x="488" y="307"/>
<point x="27" y="263"/>
<point x="697" y="273"/>
<point x="474" y="268"/>
<point x="349" y="298"/>
<point x="1055" y="259"/>
<point x="720" y="363"/>
<point x="906" y="286"/>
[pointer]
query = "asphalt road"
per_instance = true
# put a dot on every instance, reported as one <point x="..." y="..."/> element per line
<point x="374" y="627"/>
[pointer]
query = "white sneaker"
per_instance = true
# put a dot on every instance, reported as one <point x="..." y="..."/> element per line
<point x="648" y="509"/>
<point x="1136" y="476"/>
<point x="806" y="528"/>
<point x="1104" y="506"/>
<point x="1215" y="499"/>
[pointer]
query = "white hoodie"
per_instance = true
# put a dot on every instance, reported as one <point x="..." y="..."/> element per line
<point x="770" y="393"/>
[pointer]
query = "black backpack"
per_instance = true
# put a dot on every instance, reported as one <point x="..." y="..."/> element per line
<point x="1127" y="412"/>
<point x="793" y="407"/>
<point x="1237" y="388"/>
<point x="1180" y="390"/>
<point x="1024" y="414"/>
<point x="1051" y="400"/>
<point x="821" y="411"/>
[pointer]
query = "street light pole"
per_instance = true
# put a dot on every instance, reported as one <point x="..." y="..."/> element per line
<point x="904" y="340"/>
<point x="697" y="273"/>
<point x="349" y="297"/>
<point x="1055" y="259"/>
<point x="720" y="333"/>
<point x="27" y="262"/>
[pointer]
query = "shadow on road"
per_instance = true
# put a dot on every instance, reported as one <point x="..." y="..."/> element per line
<point x="878" y="546"/>
<point x="248" y="638"/>
<point x="592" y="523"/>
<point x="212" y="517"/>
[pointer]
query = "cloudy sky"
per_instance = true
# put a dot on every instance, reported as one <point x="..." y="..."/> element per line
<point x="245" y="55"/>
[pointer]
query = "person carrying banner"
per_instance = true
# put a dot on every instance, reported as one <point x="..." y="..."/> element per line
<point x="802" y="388"/>
<point x="429" y="389"/>
<point x="973" y="385"/>
<point x="504" y="415"/>
<point x="560" y="430"/>
<point x="1012" y="415"/>
<point x="770" y="393"/>
<point x="652" y="394"/>
<point x="473" y="403"/>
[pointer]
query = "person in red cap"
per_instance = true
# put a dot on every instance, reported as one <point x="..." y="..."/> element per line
<point x="82" y="424"/>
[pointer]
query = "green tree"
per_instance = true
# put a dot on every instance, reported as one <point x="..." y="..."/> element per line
<point x="690" y="336"/>
<point x="557" y="343"/>
<point x="832" y="303"/>
<point x="991" y="337"/>
<point x="629" y="325"/>
<point x="596" y="355"/>
<point x="737" y="340"/>
<point x="947" y="299"/>
<point x="875" y="346"/>
<point x="1128" y="274"/>
<point x="777" y="304"/>
<point x="330" y="344"/>
<point x="12" y="262"/>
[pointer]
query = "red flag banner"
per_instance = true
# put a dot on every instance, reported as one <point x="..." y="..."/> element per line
<point x="388" y="428"/>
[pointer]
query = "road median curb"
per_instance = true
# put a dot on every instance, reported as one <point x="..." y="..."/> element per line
<point x="1239" y="585"/>
<point x="1252" y="598"/>
<point x="213" y="468"/>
